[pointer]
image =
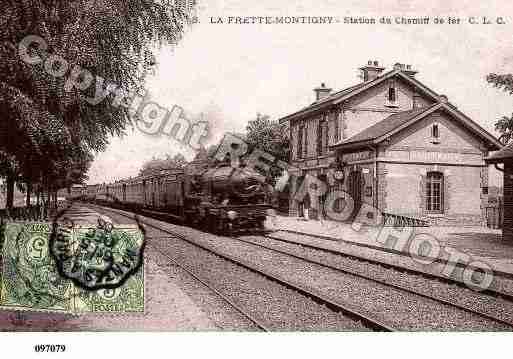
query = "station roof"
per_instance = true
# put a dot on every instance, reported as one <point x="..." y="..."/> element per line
<point x="345" y="94"/>
<point x="399" y="121"/>
<point x="383" y="127"/>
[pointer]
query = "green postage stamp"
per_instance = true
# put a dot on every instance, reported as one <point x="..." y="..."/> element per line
<point x="74" y="269"/>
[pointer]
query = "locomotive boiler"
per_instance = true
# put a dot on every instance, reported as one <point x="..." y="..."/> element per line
<point x="225" y="199"/>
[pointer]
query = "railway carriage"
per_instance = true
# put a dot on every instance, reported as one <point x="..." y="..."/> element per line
<point x="172" y="194"/>
<point x="130" y="191"/>
<point x="216" y="198"/>
<point x="77" y="191"/>
<point x="92" y="190"/>
<point x="115" y="192"/>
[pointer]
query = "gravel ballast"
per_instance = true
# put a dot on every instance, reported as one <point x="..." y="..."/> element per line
<point x="493" y="306"/>
<point x="500" y="283"/>
<point x="217" y="309"/>
<point x="405" y="311"/>
<point x="274" y="305"/>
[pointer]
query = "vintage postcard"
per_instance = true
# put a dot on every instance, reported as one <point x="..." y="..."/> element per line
<point x="235" y="166"/>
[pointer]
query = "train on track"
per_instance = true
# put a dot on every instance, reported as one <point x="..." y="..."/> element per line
<point x="216" y="198"/>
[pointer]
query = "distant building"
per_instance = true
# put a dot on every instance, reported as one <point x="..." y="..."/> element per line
<point x="402" y="148"/>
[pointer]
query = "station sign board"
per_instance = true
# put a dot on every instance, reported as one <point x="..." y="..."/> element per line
<point x="357" y="156"/>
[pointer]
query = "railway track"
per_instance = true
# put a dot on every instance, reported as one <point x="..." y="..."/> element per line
<point x="251" y="318"/>
<point x="322" y="298"/>
<point x="491" y="291"/>
<point x="442" y="261"/>
<point x="348" y="270"/>
<point x="319" y="298"/>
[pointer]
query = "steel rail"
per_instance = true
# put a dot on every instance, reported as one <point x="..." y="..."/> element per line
<point x="489" y="291"/>
<point x="212" y="288"/>
<point x="346" y="270"/>
<point x="389" y="250"/>
<point x="320" y="298"/>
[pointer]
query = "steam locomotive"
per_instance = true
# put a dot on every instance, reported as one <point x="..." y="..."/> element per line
<point x="219" y="199"/>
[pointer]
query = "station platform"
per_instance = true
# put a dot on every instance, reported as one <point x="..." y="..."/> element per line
<point x="81" y="215"/>
<point x="480" y="243"/>
<point x="173" y="311"/>
<point x="171" y="303"/>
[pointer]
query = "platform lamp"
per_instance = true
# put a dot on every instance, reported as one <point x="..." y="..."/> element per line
<point x="338" y="169"/>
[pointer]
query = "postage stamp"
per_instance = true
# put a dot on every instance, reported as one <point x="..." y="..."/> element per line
<point x="30" y="279"/>
<point x="101" y="257"/>
<point x="34" y="278"/>
<point x="128" y="298"/>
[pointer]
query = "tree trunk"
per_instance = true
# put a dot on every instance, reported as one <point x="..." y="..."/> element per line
<point x="29" y="193"/>
<point x="9" y="199"/>
<point x="54" y="195"/>
<point x="44" y="198"/>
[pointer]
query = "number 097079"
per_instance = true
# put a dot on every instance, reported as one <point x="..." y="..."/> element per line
<point x="49" y="348"/>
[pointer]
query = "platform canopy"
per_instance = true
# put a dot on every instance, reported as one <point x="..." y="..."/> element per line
<point x="504" y="154"/>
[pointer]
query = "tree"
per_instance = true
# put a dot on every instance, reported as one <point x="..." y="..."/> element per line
<point x="504" y="125"/>
<point x="178" y="161"/>
<point x="156" y="165"/>
<point x="30" y="136"/>
<point x="44" y="125"/>
<point x="268" y="136"/>
<point x="271" y="137"/>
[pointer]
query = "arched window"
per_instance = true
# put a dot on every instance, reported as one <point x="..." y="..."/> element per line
<point x="435" y="192"/>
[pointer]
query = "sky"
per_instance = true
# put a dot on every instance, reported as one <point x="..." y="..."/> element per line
<point x="229" y="72"/>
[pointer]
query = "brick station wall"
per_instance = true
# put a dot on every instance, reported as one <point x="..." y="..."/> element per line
<point x="401" y="190"/>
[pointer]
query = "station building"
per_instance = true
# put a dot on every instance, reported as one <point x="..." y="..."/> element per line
<point x="395" y="144"/>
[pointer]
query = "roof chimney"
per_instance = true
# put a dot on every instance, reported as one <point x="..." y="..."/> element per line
<point x="407" y="69"/>
<point x="321" y="92"/>
<point x="371" y="71"/>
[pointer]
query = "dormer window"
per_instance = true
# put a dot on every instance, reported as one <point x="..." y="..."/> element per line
<point x="391" y="94"/>
<point x="435" y="133"/>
